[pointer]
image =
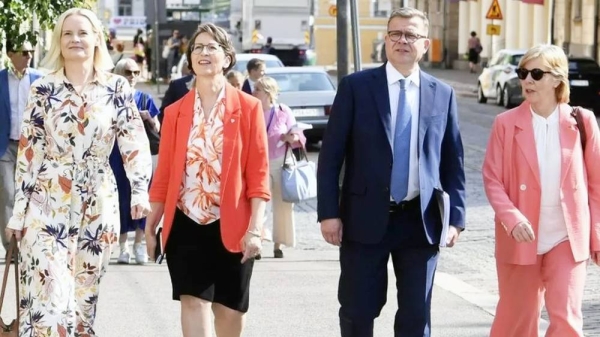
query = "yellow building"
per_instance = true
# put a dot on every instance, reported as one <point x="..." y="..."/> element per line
<point x="575" y="28"/>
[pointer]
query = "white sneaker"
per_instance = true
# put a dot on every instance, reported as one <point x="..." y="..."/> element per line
<point x="124" y="257"/>
<point x="140" y="254"/>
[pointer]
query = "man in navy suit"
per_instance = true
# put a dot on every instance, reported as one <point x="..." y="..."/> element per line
<point x="176" y="90"/>
<point x="256" y="70"/>
<point x="15" y="82"/>
<point x="396" y="127"/>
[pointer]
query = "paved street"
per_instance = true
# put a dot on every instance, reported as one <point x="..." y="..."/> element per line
<point x="296" y="296"/>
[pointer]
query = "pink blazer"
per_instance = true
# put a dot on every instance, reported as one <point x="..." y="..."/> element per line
<point x="512" y="183"/>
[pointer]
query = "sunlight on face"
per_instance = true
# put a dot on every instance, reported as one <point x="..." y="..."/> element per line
<point x="78" y="39"/>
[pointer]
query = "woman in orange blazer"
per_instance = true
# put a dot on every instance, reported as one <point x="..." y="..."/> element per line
<point x="211" y="185"/>
<point x="545" y="191"/>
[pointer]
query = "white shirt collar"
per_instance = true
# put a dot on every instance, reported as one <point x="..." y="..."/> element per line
<point x="393" y="75"/>
<point x="552" y="119"/>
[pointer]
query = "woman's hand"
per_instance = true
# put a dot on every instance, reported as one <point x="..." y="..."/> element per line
<point x="523" y="232"/>
<point x="139" y="212"/>
<point x="152" y="222"/>
<point x="10" y="232"/>
<point x="290" y="138"/>
<point x="252" y="246"/>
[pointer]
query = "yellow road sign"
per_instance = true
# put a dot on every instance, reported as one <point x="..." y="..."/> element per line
<point x="493" y="29"/>
<point x="333" y="10"/>
<point x="494" y="13"/>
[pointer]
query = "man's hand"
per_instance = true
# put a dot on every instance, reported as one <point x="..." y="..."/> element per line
<point x="332" y="231"/>
<point x="452" y="237"/>
<point x="523" y="232"/>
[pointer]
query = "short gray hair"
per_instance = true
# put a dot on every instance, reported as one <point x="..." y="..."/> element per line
<point x="409" y="13"/>
<point x="122" y="66"/>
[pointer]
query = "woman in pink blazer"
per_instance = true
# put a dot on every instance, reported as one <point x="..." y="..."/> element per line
<point x="545" y="193"/>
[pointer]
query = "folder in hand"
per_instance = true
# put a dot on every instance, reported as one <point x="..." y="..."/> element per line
<point x="443" y="200"/>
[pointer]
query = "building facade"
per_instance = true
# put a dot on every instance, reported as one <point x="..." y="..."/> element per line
<point x="576" y="27"/>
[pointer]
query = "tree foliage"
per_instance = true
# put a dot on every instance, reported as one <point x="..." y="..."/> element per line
<point x="15" y="15"/>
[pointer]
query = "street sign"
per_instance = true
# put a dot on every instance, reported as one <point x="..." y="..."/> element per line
<point x="494" y="13"/>
<point x="333" y="10"/>
<point x="493" y="29"/>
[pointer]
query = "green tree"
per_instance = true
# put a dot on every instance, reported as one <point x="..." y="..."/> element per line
<point x="15" y="13"/>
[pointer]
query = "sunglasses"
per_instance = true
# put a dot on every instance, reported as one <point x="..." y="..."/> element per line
<point x="132" y="72"/>
<point x="536" y="73"/>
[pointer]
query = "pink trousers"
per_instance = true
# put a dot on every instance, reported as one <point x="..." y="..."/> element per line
<point x="555" y="279"/>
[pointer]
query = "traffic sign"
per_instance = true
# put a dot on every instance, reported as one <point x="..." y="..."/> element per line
<point x="494" y="13"/>
<point x="493" y="29"/>
<point x="333" y="10"/>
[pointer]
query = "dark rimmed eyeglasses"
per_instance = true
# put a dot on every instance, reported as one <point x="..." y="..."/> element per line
<point x="396" y="35"/>
<point x="536" y="73"/>
<point x="132" y="73"/>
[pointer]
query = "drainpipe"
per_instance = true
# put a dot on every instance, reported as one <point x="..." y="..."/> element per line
<point x="595" y="51"/>
<point x="552" y="13"/>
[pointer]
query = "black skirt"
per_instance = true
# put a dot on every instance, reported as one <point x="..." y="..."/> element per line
<point x="473" y="56"/>
<point x="201" y="266"/>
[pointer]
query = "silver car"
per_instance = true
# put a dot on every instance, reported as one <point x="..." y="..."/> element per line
<point x="309" y="92"/>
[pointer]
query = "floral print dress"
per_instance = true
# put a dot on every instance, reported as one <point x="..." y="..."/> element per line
<point x="66" y="198"/>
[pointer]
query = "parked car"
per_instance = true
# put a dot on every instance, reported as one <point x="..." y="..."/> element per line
<point x="499" y="80"/>
<point x="584" y="80"/>
<point x="242" y="60"/>
<point x="309" y="92"/>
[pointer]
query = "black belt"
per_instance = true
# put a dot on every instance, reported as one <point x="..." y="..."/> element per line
<point x="406" y="205"/>
<point x="14" y="140"/>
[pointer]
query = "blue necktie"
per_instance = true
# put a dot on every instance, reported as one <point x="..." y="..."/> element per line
<point x="401" y="164"/>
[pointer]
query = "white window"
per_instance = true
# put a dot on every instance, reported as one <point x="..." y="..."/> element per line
<point x="125" y="8"/>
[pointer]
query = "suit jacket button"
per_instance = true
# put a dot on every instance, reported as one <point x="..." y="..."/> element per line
<point x="523" y="187"/>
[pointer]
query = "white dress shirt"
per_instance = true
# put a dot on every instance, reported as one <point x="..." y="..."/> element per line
<point x="413" y="96"/>
<point x="552" y="228"/>
<point x="18" y="91"/>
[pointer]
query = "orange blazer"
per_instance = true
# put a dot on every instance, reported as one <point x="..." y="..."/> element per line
<point x="245" y="166"/>
<point x="512" y="182"/>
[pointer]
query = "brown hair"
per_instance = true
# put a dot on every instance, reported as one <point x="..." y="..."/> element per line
<point x="254" y="64"/>
<point x="409" y="13"/>
<point x="222" y="38"/>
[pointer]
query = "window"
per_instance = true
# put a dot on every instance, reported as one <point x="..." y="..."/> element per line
<point x="125" y="8"/>
<point x="583" y="66"/>
<point x="303" y="82"/>
<point x="577" y="5"/>
<point x="515" y="59"/>
<point x="381" y="8"/>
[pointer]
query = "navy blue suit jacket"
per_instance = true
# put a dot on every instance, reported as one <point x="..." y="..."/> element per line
<point x="246" y="87"/>
<point x="359" y="132"/>
<point x="5" y="120"/>
<point x="176" y="90"/>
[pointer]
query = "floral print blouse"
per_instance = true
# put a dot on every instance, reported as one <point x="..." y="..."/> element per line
<point x="200" y="193"/>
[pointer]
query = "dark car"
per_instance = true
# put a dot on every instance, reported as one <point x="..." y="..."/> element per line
<point x="584" y="80"/>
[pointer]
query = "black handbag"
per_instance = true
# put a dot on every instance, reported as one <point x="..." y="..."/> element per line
<point x="151" y="132"/>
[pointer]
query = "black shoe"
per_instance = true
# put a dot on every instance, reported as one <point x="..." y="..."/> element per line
<point x="278" y="254"/>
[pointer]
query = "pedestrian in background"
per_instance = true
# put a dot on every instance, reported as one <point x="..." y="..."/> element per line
<point x="211" y="185"/>
<point x="545" y="191"/>
<point x="256" y="69"/>
<point x="130" y="69"/>
<point x="235" y="78"/>
<point x="475" y="49"/>
<point x="280" y="134"/>
<point x="66" y="205"/>
<point x="14" y="92"/>
<point x="396" y="128"/>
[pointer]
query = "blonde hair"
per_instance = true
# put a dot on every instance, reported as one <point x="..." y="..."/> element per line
<point x="122" y="66"/>
<point x="409" y="13"/>
<point x="269" y="85"/>
<point x="556" y="60"/>
<point x="235" y="74"/>
<point x="54" y="60"/>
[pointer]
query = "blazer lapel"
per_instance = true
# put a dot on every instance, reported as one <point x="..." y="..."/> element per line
<point x="569" y="136"/>
<point x="426" y="103"/>
<point x="380" y="91"/>
<point x="4" y="95"/>
<point x="184" y="126"/>
<point x="231" y="127"/>
<point x="525" y="139"/>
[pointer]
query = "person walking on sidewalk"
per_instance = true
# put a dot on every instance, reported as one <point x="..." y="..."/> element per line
<point x="544" y="188"/>
<point x="396" y="128"/>
<point x="212" y="185"/>
<point x="66" y="204"/>
<point x="475" y="49"/>
<point x="14" y="92"/>
<point x="130" y="69"/>
<point x="280" y="121"/>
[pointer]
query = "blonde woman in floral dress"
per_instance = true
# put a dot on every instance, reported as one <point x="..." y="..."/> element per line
<point x="66" y="205"/>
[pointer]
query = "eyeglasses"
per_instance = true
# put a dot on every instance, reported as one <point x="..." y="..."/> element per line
<point x="132" y="72"/>
<point x="210" y="48"/>
<point x="536" y="73"/>
<point x="396" y="35"/>
<point x="27" y="52"/>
